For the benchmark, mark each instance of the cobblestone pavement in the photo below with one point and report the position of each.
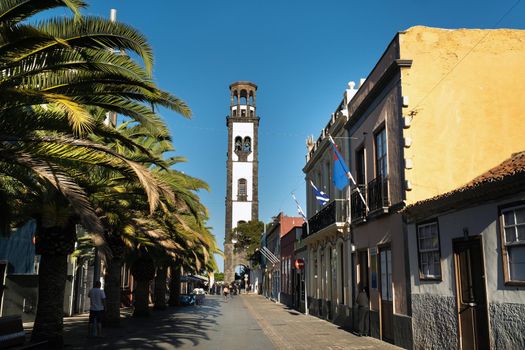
(243, 322)
(289, 329)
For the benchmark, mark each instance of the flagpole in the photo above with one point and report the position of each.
(349, 176)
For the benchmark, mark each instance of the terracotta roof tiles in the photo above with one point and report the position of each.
(505, 175)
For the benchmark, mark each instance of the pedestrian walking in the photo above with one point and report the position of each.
(226, 291)
(363, 311)
(97, 299)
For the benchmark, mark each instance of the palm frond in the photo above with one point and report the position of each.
(13, 11)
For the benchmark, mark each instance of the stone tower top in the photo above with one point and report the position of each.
(242, 93)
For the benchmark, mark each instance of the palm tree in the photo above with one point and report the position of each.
(53, 72)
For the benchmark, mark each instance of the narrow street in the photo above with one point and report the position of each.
(244, 322)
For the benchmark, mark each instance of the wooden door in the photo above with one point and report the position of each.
(387, 307)
(471, 295)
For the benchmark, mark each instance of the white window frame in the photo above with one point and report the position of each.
(508, 245)
(429, 253)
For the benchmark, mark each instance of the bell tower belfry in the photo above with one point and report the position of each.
(242, 167)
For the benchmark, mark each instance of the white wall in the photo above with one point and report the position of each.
(242, 170)
(481, 220)
(241, 211)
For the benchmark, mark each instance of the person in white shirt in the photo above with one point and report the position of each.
(96, 311)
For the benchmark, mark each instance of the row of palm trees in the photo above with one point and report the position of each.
(63, 163)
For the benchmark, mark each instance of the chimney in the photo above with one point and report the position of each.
(349, 93)
(113, 15)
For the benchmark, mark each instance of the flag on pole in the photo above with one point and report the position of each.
(299, 209)
(340, 175)
(321, 197)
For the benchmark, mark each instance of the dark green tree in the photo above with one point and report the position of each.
(248, 237)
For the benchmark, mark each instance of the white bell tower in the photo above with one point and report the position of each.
(242, 180)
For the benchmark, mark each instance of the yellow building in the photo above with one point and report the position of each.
(439, 108)
(465, 104)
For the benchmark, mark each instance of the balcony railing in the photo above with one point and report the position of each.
(356, 203)
(378, 193)
(333, 212)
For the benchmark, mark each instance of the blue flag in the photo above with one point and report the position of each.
(321, 197)
(340, 177)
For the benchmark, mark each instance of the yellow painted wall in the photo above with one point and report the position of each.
(466, 89)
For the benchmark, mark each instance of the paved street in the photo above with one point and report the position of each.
(244, 322)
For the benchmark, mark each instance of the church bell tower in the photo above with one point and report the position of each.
(242, 196)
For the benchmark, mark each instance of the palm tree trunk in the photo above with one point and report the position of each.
(160, 288)
(141, 299)
(174, 285)
(112, 289)
(50, 310)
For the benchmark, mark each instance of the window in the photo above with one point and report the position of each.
(428, 250)
(238, 143)
(381, 160)
(242, 190)
(247, 145)
(514, 242)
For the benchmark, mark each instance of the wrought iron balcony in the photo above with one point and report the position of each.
(378, 194)
(333, 212)
(356, 203)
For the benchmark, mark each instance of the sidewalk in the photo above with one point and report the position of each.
(242, 322)
(289, 329)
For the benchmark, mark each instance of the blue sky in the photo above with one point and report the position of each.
(301, 54)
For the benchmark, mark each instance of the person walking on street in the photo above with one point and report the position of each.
(226, 291)
(363, 311)
(97, 299)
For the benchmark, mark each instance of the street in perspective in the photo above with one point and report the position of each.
(242, 322)
(262, 175)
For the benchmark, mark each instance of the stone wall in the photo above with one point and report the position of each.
(434, 322)
(507, 326)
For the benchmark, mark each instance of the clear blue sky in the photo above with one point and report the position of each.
(301, 54)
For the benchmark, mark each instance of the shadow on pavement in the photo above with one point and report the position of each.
(175, 326)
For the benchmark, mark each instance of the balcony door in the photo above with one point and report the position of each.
(360, 166)
(381, 169)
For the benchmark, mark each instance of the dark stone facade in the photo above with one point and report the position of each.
(507, 325)
(434, 322)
